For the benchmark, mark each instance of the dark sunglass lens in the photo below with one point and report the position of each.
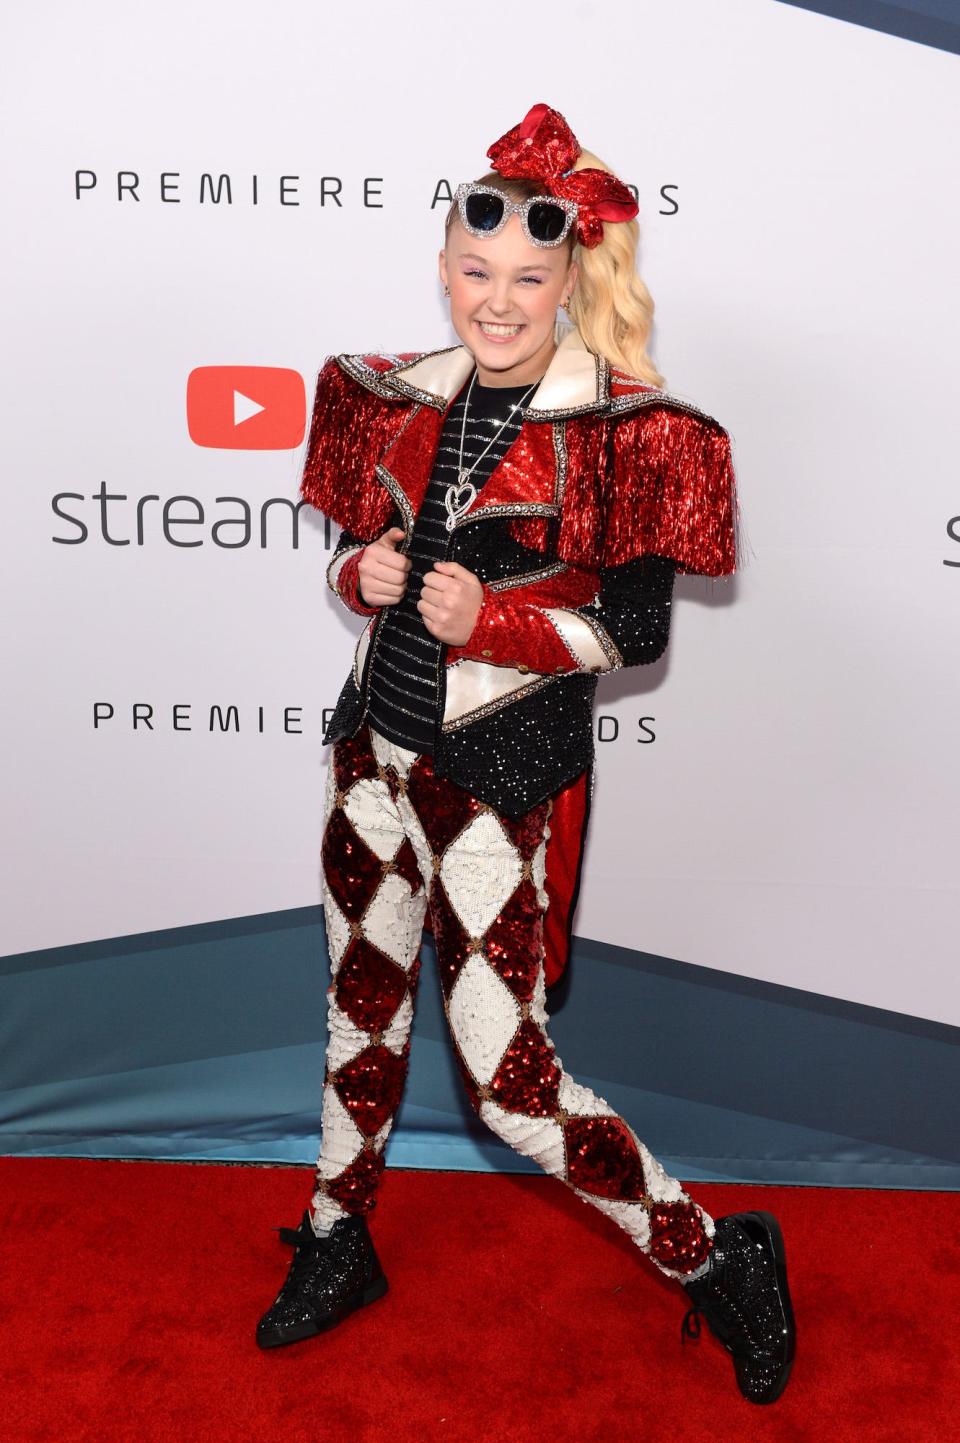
(546, 220)
(484, 212)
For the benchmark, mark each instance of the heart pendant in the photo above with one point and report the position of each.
(454, 502)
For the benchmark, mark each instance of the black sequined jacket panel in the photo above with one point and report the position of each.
(515, 704)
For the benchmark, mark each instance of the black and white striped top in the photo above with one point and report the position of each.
(405, 665)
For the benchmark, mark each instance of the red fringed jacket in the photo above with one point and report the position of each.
(610, 487)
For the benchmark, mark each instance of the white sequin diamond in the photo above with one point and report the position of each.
(484, 1015)
(342, 1139)
(418, 838)
(370, 819)
(393, 921)
(398, 1028)
(329, 790)
(660, 1185)
(480, 872)
(538, 871)
(338, 929)
(536, 1137)
(344, 1038)
(631, 1216)
(380, 1139)
(583, 1101)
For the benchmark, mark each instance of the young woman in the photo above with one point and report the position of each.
(513, 511)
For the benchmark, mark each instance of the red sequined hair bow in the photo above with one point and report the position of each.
(543, 147)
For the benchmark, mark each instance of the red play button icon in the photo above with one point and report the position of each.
(246, 408)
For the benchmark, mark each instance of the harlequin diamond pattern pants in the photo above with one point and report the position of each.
(396, 841)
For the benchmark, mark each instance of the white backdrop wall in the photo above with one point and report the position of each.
(793, 757)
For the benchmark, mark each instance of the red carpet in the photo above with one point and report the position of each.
(516, 1314)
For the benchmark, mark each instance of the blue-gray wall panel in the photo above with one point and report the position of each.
(207, 1042)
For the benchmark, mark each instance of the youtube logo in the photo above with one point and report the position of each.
(246, 408)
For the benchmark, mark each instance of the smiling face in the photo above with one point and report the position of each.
(504, 294)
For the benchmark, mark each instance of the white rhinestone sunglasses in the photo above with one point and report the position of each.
(484, 211)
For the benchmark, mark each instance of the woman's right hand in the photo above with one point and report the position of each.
(382, 569)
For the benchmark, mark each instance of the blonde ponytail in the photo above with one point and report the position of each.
(611, 306)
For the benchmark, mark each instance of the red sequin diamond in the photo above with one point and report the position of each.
(526, 832)
(514, 941)
(352, 759)
(450, 939)
(677, 1236)
(406, 866)
(354, 1188)
(602, 1157)
(369, 986)
(444, 808)
(528, 1077)
(351, 870)
(370, 1087)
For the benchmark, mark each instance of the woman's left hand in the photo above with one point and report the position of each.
(449, 602)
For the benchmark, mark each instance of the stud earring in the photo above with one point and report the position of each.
(446, 290)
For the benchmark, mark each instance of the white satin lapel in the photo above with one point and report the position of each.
(576, 378)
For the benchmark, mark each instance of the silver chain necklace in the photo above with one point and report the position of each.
(457, 505)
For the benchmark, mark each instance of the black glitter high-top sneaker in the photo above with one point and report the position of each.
(329, 1278)
(746, 1301)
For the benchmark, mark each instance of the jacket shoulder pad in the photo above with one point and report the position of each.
(370, 367)
(628, 394)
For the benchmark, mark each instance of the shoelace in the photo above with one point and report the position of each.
(726, 1320)
(690, 1323)
(307, 1244)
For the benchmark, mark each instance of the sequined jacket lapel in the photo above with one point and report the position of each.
(529, 480)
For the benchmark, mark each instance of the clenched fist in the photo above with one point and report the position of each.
(450, 599)
(382, 569)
